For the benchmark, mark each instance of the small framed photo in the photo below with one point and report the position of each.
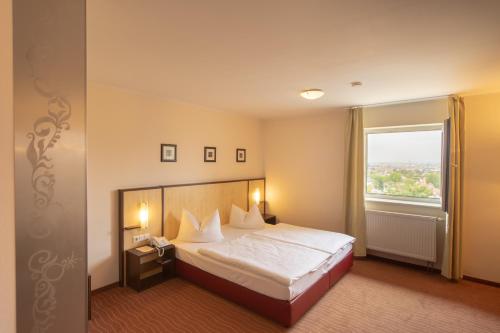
(241, 155)
(210, 154)
(168, 153)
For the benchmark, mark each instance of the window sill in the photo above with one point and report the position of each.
(404, 203)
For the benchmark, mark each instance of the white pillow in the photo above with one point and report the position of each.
(237, 216)
(241, 219)
(191, 230)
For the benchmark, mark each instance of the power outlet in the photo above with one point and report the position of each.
(140, 238)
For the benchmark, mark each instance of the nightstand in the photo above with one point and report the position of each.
(145, 270)
(269, 219)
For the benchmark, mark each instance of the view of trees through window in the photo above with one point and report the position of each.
(404, 164)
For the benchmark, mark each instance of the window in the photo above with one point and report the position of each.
(404, 163)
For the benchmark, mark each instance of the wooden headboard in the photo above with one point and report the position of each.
(166, 202)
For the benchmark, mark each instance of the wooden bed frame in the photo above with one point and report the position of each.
(284, 312)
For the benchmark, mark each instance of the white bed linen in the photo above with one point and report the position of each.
(188, 253)
(282, 262)
(327, 241)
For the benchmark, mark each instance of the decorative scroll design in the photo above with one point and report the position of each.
(46, 132)
(45, 270)
(44, 136)
(43, 264)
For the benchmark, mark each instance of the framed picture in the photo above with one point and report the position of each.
(168, 153)
(210, 154)
(241, 155)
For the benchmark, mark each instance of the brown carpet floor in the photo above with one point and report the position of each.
(374, 296)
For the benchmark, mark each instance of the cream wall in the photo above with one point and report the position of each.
(304, 160)
(304, 163)
(124, 132)
(7, 259)
(481, 229)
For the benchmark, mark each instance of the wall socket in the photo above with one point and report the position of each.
(140, 238)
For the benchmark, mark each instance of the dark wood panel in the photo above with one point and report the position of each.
(147, 269)
(189, 184)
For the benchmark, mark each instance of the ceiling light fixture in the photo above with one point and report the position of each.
(356, 83)
(312, 93)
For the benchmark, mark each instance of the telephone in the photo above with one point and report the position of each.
(159, 243)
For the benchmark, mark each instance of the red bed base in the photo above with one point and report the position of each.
(284, 312)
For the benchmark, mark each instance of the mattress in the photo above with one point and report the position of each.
(188, 253)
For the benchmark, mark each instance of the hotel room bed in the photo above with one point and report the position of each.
(281, 286)
(282, 303)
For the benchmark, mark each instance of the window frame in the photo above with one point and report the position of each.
(393, 198)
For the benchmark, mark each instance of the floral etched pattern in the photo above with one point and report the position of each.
(44, 136)
(46, 132)
(45, 270)
(43, 264)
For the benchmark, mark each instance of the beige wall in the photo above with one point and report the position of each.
(7, 259)
(304, 163)
(481, 230)
(124, 133)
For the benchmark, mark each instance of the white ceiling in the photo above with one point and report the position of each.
(255, 56)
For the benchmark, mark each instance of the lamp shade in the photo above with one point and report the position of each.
(144, 215)
(256, 196)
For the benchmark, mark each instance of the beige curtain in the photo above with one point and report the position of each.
(354, 181)
(452, 257)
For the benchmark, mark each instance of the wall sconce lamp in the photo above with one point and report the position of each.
(256, 196)
(144, 215)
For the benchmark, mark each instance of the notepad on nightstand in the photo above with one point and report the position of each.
(145, 249)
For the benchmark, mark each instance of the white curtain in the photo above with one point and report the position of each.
(354, 181)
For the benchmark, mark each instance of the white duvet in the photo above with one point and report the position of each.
(284, 262)
(326, 241)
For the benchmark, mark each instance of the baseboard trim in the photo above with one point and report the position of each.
(482, 281)
(401, 263)
(430, 269)
(104, 288)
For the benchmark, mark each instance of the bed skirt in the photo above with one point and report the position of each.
(284, 312)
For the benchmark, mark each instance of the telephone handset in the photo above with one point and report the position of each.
(159, 243)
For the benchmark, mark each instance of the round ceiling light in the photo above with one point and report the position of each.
(312, 93)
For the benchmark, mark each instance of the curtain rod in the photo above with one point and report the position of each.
(415, 100)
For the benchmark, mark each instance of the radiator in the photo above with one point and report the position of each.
(412, 236)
